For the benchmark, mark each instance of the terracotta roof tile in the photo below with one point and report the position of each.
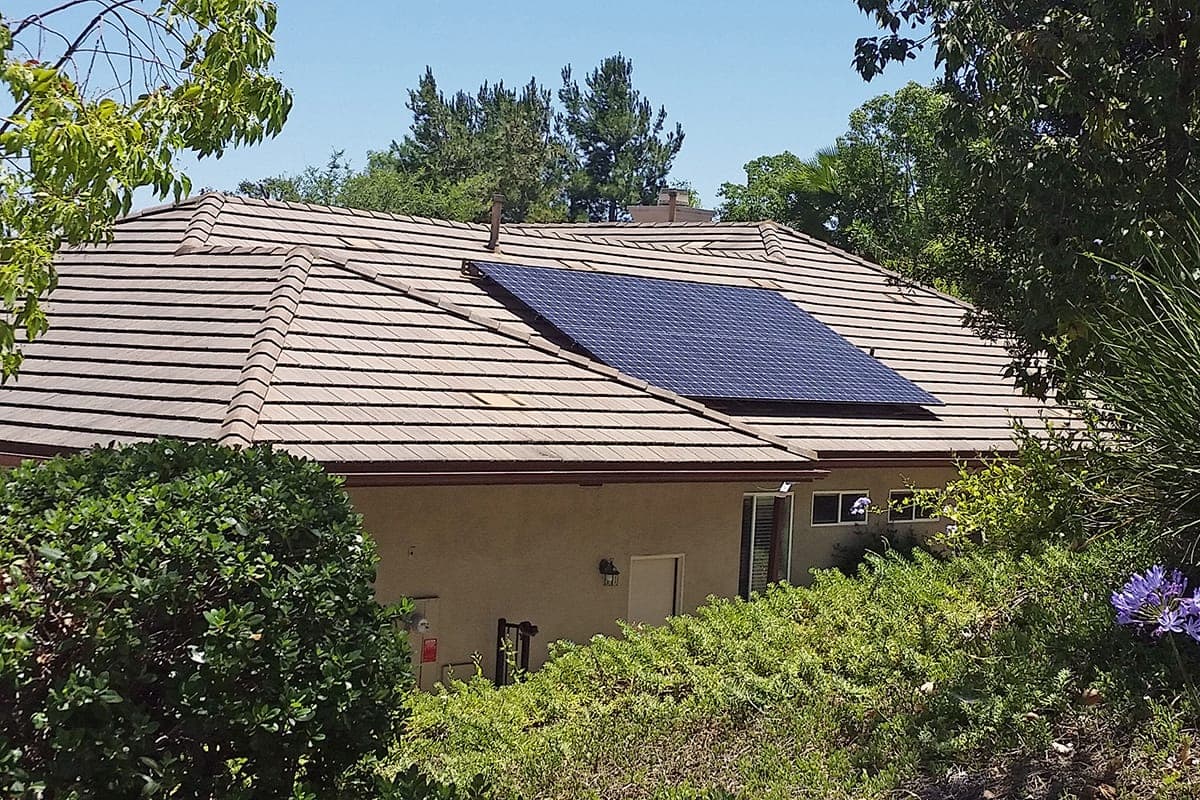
(916, 331)
(368, 344)
(290, 346)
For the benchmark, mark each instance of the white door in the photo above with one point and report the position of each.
(654, 583)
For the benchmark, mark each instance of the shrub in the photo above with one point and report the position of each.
(1023, 504)
(1148, 395)
(854, 687)
(851, 554)
(188, 620)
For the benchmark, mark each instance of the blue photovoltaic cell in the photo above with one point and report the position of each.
(705, 340)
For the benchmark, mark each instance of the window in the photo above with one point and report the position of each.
(837, 508)
(901, 508)
(759, 525)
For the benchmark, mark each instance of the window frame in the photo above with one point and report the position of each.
(786, 545)
(913, 506)
(838, 493)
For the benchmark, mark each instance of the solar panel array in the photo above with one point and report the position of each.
(704, 340)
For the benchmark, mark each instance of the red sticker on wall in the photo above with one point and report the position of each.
(428, 650)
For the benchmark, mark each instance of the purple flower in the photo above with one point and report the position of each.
(1191, 627)
(1170, 620)
(1131, 599)
(1146, 597)
(1190, 608)
(1191, 605)
(1173, 587)
(860, 506)
(1155, 600)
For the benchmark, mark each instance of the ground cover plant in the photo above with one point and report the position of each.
(854, 687)
(188, 620)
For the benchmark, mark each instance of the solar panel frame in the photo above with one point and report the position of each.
(703, 340)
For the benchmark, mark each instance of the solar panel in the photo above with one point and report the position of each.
(704, 340)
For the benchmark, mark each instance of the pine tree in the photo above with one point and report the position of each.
(497, 140)
(622, 156)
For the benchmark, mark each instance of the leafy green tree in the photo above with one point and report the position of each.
(896, 197)
(189, 76)
(384, 186)
(802, 193)
(882, 190)
(1074, 127)
(606, 151)
(189, 620)
(320, 185)
(381, 186)
(460, 150)
(623, 158)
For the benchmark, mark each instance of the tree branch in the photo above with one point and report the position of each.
(36, 19)
(70, 51)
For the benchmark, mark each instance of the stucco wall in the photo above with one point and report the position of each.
(817, 546)
(531, 552)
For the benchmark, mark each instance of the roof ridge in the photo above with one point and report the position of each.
(159, 208)
(528, 338)
(202, 223)
(691, 223)
(356, 212)
(771, 244)
(659, 247)
(250, 392)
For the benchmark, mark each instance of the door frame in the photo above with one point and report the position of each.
(785, 547)
(677, 600)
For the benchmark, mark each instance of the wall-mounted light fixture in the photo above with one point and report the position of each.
(415, 622)
(610, 572)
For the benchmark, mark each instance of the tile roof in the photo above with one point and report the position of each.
(353, 337)
(759, 240)
(914, 330)
(331, 359)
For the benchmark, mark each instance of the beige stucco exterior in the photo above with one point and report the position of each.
(816, 546)
(531, 552)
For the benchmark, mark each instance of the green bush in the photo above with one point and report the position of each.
(1022, 504)
(851, 554)
(188, 620)
(855, 687)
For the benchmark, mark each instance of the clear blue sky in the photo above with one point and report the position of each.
(744, 79)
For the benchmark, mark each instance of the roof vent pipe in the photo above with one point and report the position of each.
(497, 209)
(672, 203)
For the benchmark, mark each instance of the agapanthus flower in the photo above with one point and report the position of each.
(1191, 626)
(1174, 586)
(860, 506)
(1191, 605)
(1155, 600)
(1170, 620)
(1140, 600)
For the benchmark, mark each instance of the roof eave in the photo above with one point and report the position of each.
(581, 473)
(461, 473)
(857, 459)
